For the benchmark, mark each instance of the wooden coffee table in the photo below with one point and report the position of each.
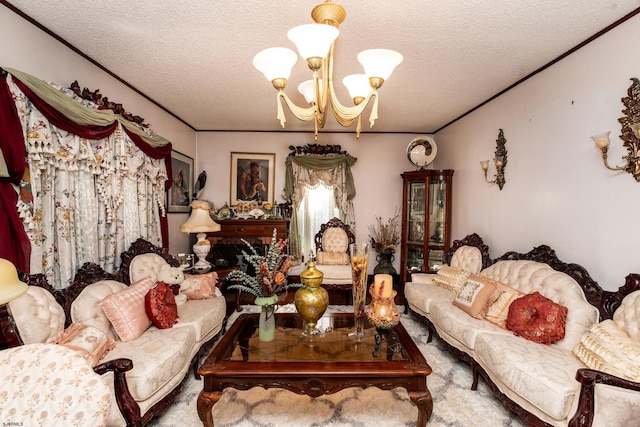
(323, 364)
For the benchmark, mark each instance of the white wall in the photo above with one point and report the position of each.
(381, 160)
(28, 49)
(558, 192)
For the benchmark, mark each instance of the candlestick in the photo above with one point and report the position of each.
(382, 285)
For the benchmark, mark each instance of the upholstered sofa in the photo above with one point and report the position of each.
(545, 384)
(143, 372)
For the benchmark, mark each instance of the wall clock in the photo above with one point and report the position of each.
(422, 151)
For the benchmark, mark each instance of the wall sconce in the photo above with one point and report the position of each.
(632, 160)
(500, 161)
(630, 133)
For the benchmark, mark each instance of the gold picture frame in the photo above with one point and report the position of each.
(252, 177)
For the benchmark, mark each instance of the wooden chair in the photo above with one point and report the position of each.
(332, 256)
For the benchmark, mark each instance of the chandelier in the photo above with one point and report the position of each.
(315, 43)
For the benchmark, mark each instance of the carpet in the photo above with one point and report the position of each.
(454, 404)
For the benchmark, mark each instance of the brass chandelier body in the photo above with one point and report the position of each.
(332, 14)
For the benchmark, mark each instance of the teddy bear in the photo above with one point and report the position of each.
(174, 276)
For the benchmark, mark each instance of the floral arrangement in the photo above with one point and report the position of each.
(385, 236)
(271, 270)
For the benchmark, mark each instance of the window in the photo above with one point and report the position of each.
(316, 207)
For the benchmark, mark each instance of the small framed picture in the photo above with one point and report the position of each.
(179, 195)
(252, 177)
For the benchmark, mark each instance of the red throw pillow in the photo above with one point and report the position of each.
(160, 305)
(537, 318)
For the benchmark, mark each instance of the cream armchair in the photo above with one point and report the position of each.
(332, 255)
(52, 385)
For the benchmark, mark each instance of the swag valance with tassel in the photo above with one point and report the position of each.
(98, 181)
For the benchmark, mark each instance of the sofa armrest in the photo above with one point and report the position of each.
(127, 404)
(589, 378)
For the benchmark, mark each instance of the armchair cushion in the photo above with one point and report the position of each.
(91, 342)
(607, 348)
(332, 258)
(46, 384)
(126, 312)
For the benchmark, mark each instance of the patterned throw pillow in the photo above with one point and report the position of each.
(91, 342)
(499, 310)
(125, 310)
(161, 307)
(607, 348)
(475, 296)
(203, 286)
(451, 278)
(537, 318)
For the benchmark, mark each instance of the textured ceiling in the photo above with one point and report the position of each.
(194, 58)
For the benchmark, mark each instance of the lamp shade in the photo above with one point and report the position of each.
(199, 221)
(357, 85)
(379, 62)
(275, 62)
(313, 40)
(307, 90)
(10, 286)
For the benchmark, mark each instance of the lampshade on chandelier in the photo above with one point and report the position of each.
(315, 43)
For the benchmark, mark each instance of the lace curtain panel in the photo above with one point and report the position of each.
(305, 171)
(91, 197)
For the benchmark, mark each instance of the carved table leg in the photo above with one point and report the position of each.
(424, 402)
(206, 400)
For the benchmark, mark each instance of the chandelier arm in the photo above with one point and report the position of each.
(346, 115)
(304, 114)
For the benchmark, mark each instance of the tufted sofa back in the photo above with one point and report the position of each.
(145, 265)
(467, 258)
(38, 317)
(532, 276)
(86, 308)
(627, 315)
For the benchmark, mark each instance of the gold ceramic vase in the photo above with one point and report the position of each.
(311, 299)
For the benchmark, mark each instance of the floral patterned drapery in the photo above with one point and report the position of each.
(91, 197)
(305, 171)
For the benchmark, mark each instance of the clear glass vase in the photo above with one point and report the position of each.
(359, 264)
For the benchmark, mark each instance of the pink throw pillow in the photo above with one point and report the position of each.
(125, 310)
(203, 286)
(91, 342)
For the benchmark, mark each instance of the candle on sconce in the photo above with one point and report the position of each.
(383, 286)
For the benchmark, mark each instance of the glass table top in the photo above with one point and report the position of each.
(333, 344)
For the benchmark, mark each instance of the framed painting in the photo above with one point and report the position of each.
(179, 195)
(252, 177)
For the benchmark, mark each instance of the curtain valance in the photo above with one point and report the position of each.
(320, 163)
(67, 114)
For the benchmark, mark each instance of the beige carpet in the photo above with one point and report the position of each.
(454, 403)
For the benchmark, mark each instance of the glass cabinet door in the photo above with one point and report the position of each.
(426, 220)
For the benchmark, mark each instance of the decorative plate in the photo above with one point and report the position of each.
(422, 150)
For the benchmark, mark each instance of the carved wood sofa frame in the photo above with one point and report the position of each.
(351, 238)
(605, 301)
(91, 273)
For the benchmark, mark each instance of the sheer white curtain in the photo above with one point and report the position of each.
(317, 206)
(91, 198)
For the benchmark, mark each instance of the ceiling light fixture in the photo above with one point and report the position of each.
(315, 43)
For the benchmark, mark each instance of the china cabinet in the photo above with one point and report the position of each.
(426, 220)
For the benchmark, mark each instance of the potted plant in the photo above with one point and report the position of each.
(385, 237)
(269, 280)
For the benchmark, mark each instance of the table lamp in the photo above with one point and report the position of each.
(10, 288)
(200, 222)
